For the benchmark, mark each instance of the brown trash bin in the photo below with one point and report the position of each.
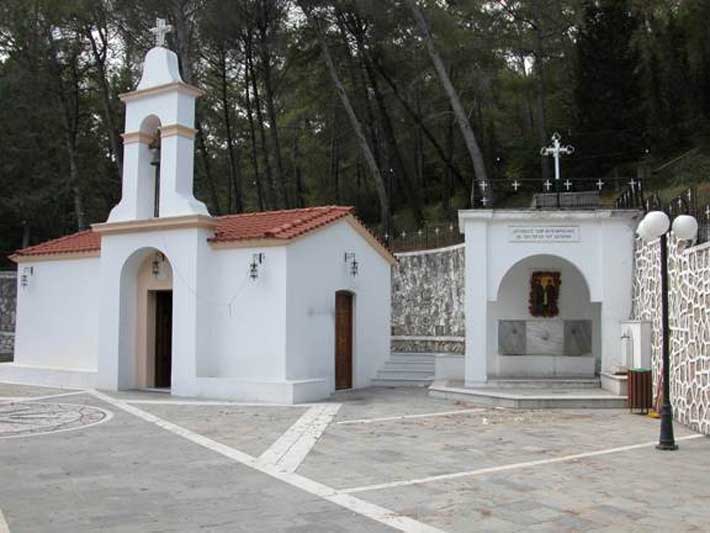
(640, 390)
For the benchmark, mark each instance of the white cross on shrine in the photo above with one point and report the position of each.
(555, 151)
(568, 185)
(483, 185)
(600, 184)
(632, 184)
(515, 185)
(160, 31)
(547, 185)
(484, 201)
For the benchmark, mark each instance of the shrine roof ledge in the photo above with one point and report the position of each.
(553, 215)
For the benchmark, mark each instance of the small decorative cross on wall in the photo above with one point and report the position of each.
(160, 30)
(516, 185)
(600, 184)
(483, 184)
(568, 185)
(547, 185)
(707, 212)
(632, 184)
(484, 201)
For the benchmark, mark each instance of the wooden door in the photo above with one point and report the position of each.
(163, 337)
(343, 340)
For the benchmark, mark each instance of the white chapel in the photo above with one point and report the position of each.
(282, 306)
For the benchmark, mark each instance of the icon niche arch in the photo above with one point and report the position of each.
(559, 335)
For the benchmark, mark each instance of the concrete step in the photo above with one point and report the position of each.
(401, 382)
(406, 365)
(529, 398)
(412, 357)
(405, 374)
(545, 383)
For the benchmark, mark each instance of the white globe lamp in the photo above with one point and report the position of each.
(657, 224)
(685, 227)
(642, 230)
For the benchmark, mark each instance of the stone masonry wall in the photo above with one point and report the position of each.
(689, 317)
(8, 297)
(428, 301)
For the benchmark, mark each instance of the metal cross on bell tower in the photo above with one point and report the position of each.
(160, 30)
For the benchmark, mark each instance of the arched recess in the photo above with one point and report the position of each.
(512, 305)
(145, 323)
(150, 166)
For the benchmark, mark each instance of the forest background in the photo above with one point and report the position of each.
(398, 107)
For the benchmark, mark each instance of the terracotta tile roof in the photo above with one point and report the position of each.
(84, 241)
(277, 225)
(282, 225)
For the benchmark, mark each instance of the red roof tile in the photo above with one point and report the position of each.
(271, 225)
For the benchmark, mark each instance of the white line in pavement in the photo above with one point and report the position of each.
(208, 403)
(406, 417)
(503, 468)
(48, 397)
(356, 505)
(291, 448)
(4, 528)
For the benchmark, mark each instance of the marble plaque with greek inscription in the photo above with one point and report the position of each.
(511, 337)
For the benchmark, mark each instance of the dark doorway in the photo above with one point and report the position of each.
(163, 337)
(343, 340)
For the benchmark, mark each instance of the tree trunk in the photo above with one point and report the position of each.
(540, 102)
(469, 136)
(282, 196)
(252, 137)
(419, 122)
(354, 122)
(232, 152)
(298, 175)
(272, 197)
(205, 156)
(105, 90)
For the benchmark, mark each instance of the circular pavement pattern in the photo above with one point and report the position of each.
(27, 418)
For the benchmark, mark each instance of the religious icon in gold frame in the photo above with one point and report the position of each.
(544, 294)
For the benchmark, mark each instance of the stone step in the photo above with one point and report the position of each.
(405, 365)
(528, 398)
(401, 382)
(405, 374)
(421, 357)
(545, 383)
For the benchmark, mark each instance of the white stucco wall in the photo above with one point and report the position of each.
(246, 333)
(602, 252)
(57, 315)
(316, 270)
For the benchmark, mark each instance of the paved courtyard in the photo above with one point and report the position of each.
(372, 460)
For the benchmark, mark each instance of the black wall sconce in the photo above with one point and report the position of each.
(354, 266)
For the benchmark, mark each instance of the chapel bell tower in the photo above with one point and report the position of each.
(158, 143)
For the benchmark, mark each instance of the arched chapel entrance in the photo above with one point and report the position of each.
(146, 321)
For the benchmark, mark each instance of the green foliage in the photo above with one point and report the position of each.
(623, 80)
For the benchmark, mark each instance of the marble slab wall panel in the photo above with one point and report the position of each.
(578, 337)
(689, 317)
(512, 337)
(545, 337)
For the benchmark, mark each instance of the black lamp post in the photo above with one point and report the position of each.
(656, 225)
